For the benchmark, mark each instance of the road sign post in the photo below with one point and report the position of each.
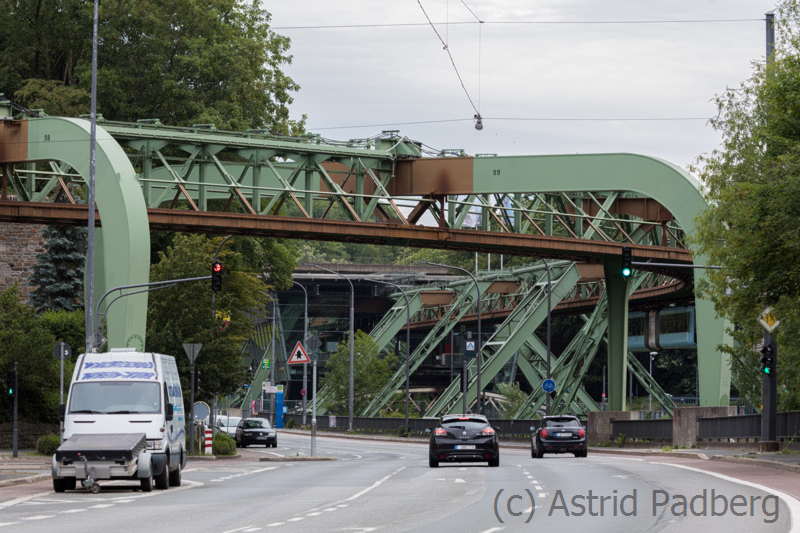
(314, 408)
(62, 351)
(191, 351)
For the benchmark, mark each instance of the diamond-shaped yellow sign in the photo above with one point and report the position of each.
(768, 320)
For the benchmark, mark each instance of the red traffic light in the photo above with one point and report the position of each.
(216, 267)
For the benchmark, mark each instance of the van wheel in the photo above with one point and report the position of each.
(147, 483)
(162, 480)
(59, 485)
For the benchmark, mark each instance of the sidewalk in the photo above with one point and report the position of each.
(27, 467)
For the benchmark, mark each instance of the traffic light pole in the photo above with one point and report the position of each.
(769, 397)
(16, 395)
(191, 409)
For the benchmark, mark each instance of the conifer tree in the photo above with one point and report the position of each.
(58, 274)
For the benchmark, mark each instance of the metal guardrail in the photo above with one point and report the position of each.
(642, 429)
(415, 425)
(747, 426)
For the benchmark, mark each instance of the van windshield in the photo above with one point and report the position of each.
(115, 397)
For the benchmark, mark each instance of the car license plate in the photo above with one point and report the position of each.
(465, 447)
(262, 438)
(563, 434)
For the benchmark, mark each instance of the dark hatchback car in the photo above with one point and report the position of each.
(463, 438)
(558, 434)
(255, 431)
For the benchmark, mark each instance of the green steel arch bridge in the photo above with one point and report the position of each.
(581, 209)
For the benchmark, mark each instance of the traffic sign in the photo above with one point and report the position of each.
(192, 350)
(298, 356)
(768, 320)
(303, 392)
(548, 385)
(62, 350)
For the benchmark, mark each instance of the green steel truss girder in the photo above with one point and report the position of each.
(509, 337)
(258, 347)
(567, 196)
(465, 300)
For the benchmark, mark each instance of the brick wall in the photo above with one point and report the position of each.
(19, 246)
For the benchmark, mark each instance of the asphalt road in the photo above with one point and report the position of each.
(387, 486)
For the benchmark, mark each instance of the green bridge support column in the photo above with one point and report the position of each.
(123, 245)
(617, 294)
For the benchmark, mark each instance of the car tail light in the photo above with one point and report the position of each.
(464, 418)
(581, 433)
(543, 434)
(487, 455)
(441, 456)
(440, 433)
(487, 431)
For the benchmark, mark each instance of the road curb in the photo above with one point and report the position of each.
(22, 480)
(301, 459)
(212, 457)
(765, 463)
(643, 453)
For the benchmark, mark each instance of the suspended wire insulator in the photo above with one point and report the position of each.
(478, 122)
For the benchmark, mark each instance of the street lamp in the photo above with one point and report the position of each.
(350, 395)
(478, 347)
(305, 338)
(408, 338)
(650, 401)
(549, 286)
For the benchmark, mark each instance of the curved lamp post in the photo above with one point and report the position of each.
(408, 337)
(350, 396)
(479, 394)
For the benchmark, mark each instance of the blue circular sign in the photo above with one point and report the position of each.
(548, 385)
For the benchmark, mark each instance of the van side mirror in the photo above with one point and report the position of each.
(170, 412)
(62, 411)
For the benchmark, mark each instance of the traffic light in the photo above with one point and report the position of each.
(627, 267)
(11, 382)
(196, 379)
(216, 277)
(767, 360)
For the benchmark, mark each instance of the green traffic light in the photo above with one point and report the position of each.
(626, 272)
(766, 370)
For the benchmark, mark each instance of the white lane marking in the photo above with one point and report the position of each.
(8, 524)
(40, 517)
(313, 514)
(296, 519)
(275, 524)
(542, 494)
(73, 511)
(534, 482)
(252, 529)
(493, 530)
(102, 506)
(539, 488)
(331, 509)
(460, 481)
(23, 499)
(374, 485)
(122, 501)
(791, 502)
(462, 468)
(530, 477)
(343, 505)
(237, 529)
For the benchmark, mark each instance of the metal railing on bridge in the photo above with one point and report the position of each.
(747, 427)
(415, 425)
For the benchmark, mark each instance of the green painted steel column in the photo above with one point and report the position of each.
(124, 243)
(617, 295)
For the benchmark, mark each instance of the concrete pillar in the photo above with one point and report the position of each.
(617, 294)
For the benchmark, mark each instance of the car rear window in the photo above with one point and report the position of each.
(470, 423)
(562, 423)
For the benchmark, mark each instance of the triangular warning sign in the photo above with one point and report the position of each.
(299, 355)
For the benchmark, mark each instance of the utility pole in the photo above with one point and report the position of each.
(16, 402)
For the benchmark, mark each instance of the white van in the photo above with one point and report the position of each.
(124, 419)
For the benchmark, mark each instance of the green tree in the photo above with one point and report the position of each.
(67, 326)
(58, 274)
(183, 314)
(753, 185)
(24, 340)
(370, 374)
(514, 398)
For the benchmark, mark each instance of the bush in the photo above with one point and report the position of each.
(48, 444)
(290, 423)
(223, 445)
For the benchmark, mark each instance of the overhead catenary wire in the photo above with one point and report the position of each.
(447, 49)
(518, 22)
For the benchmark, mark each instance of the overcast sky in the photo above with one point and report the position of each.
(385, 75)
